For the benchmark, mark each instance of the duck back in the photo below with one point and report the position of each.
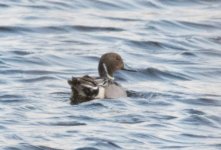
(114, 90)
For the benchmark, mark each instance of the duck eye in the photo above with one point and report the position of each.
(117, 58)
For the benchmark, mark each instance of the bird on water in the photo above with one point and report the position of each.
(87, 88)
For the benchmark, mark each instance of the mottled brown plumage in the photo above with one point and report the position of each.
(81, 93)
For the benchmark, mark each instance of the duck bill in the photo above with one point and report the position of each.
(128, 69)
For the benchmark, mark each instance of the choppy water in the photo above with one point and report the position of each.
(175, 95)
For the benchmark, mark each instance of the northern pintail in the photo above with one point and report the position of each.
(87, 88)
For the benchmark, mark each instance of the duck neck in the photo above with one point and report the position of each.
(105, 72)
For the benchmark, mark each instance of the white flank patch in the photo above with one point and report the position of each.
(101, 93)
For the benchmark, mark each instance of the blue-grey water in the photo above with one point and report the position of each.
(175, 95)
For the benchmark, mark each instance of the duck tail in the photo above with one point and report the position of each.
(73, 81)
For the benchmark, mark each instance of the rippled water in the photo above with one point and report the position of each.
(175, 95)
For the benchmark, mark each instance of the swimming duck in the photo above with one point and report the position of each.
(87, 88)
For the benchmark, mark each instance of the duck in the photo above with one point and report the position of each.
(88, 88)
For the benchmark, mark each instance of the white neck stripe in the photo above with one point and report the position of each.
(108, 76)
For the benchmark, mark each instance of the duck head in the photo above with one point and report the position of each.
(109, 63)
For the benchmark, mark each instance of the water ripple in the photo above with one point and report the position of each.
(57, 29)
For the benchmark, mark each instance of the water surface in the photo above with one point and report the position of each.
(175, 99)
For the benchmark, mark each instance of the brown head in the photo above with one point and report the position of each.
(110, 62)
